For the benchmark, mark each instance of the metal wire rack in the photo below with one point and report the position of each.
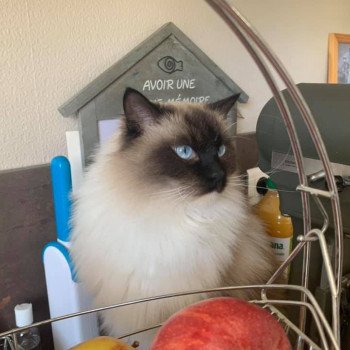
(328, 334)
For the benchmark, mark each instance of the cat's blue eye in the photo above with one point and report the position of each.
(184, 151)
(222, 150)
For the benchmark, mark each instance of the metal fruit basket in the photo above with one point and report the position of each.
(328, 334)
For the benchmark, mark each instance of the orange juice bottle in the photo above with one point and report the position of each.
(278, 226)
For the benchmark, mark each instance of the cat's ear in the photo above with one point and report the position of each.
(223, 106)
(139, 112)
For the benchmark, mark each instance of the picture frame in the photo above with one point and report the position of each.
(339, 58)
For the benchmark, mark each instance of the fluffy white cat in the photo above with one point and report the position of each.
(161, 210)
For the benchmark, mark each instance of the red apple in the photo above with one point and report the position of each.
(221, 324)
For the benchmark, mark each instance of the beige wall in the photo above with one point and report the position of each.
(51, 49)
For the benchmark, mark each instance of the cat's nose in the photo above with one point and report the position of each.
(217, 179)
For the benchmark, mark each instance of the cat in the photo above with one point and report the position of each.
(162, 210)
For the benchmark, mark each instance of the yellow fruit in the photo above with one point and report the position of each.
(103, 343)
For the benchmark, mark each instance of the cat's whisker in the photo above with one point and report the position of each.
(161, 193)
(165, 196)
(172, 194)
(279, 190)
(229, 126)
(236, 179)
(176, 188)
(177, 200)
(269, 173)
(182, 197)
(173, 190)
(183, 194)
(240, 184)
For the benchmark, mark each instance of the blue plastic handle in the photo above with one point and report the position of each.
(61, 188)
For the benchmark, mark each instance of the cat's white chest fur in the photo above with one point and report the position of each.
(167, 244)
(128, 248)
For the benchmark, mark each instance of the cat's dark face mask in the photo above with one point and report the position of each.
(197, 154)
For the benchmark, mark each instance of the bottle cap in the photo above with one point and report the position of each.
(24, 315)
(270, 184)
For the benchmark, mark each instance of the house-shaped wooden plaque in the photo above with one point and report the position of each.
(167, 66)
